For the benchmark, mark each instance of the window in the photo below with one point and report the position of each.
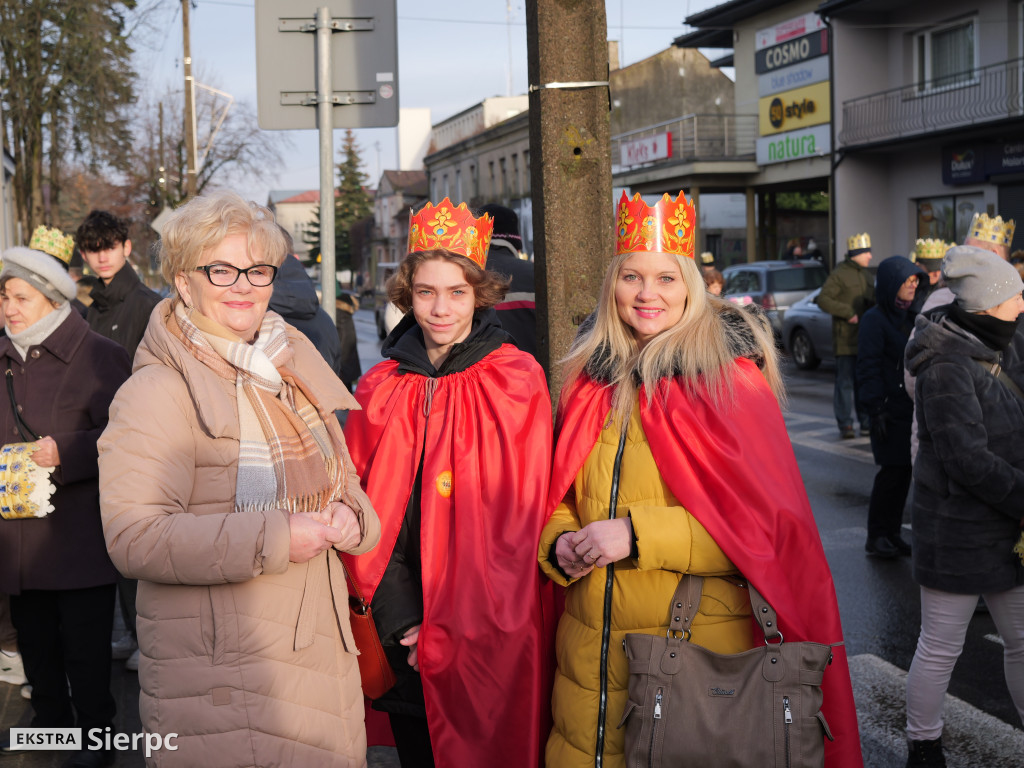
(515, 175)
(447, 193)
(494, 186)
(946, 56)
(458, 184)
(948, 218)
(504, 180)
(474, 183)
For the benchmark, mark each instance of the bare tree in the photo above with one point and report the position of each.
(232, 149)
(66, 82)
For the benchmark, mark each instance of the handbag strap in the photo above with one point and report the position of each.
(364, 606)
(686, 601)
(27, 433)
(997, 370)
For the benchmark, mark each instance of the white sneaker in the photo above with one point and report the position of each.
(133, 662)
(11, 669)
(26, 692)
(123, 648)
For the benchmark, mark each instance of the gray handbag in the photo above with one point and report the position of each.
(690, 706)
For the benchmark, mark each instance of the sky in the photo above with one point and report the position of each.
(451, 55)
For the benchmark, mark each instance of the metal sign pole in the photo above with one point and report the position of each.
(325, 124)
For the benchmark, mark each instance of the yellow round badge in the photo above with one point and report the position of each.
(444, 484)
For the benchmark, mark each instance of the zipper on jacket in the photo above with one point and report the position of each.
(654, 727)
(606, 627)
(788, 717)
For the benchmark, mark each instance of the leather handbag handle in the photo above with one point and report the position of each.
(686, 601)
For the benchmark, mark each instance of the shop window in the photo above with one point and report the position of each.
(947, 218)
(946, 56)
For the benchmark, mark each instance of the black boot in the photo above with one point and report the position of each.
(926, 754)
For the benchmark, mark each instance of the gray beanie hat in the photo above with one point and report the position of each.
(42, 271)
(979, 279)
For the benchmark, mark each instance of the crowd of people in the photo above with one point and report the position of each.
(936, 353)
(203, 457)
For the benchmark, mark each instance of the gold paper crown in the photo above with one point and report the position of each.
(930, 249)
(53, 242)
(859, 241)
(25, 487)
(452, 229)
(666, 227)
(707, 258)
(992, 230)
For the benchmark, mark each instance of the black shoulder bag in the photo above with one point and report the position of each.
(27, 433)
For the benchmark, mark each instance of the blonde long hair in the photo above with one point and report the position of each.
(699, 349)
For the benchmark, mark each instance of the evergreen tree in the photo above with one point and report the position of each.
(353, 203)
(312, 239)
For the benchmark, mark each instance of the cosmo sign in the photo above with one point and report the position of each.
(647, 149)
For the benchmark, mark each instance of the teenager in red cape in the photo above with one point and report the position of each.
(733, 468)
(462, 444)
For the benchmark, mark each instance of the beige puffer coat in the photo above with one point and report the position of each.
(247, 657)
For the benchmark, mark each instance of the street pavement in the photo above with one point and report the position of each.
(878, 601)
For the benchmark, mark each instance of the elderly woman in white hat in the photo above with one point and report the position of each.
(60, 380)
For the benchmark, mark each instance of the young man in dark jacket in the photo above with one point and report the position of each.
(121, 303)
(120, 310)
(900, 288)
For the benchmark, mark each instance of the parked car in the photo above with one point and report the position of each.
(773, 285)
(807, 333)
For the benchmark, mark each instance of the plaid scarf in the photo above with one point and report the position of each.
(288, 454)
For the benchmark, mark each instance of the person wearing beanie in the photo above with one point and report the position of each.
(61, 379)
(968, 483)
(518, 310)
(847, 294)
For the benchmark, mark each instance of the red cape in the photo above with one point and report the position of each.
(733, 468)
(485, 647)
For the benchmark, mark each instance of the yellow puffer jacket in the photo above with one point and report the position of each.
(670, 542)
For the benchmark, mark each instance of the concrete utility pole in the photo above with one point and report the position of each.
(570, 167)
(190, 107)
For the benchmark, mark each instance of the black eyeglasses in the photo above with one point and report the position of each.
(223, 275)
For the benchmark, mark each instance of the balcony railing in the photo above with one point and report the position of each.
(694, 137)
(983, 95)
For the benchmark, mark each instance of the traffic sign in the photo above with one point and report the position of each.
(363, 63)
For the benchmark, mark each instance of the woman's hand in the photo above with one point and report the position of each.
(309, 536)
(568, 561)
(603, 541)
(46, 454)
(344, 519)
(410, 639)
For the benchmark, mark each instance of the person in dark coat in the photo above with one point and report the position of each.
(56, 567)
(968, 483)
(518, 310)
(121, 303)
(884, 331)
(351, 369)
(295, 300)
(119, 308)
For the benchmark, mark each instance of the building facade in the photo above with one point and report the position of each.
(929, 118)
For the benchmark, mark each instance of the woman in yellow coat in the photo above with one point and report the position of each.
(671, 397)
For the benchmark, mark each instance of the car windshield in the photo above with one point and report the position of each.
(796, 279)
